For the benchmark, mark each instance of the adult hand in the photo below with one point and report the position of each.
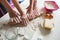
(14, 17)
(30, 13)
(25, 19)
(36, 12)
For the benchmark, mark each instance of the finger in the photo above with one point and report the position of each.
(15, 20)
(18, 21)
(30, 16)
(33, 16)
(11, 19)
(22, 21)
(19, 18)
(16, 13)
(25, 22)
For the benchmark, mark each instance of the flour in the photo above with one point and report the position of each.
(49, 5)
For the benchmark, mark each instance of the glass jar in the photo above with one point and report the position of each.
(48, 20)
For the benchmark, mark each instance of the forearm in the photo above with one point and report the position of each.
(30, 2)
(16, 4)
(34, 4)
(6, 4)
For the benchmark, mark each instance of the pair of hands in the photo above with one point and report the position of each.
(32, 13)
(16, 18)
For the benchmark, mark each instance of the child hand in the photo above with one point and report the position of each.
(30, 13)
(28, 9)
(25, 19)
(36, 12)
(14, 17)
